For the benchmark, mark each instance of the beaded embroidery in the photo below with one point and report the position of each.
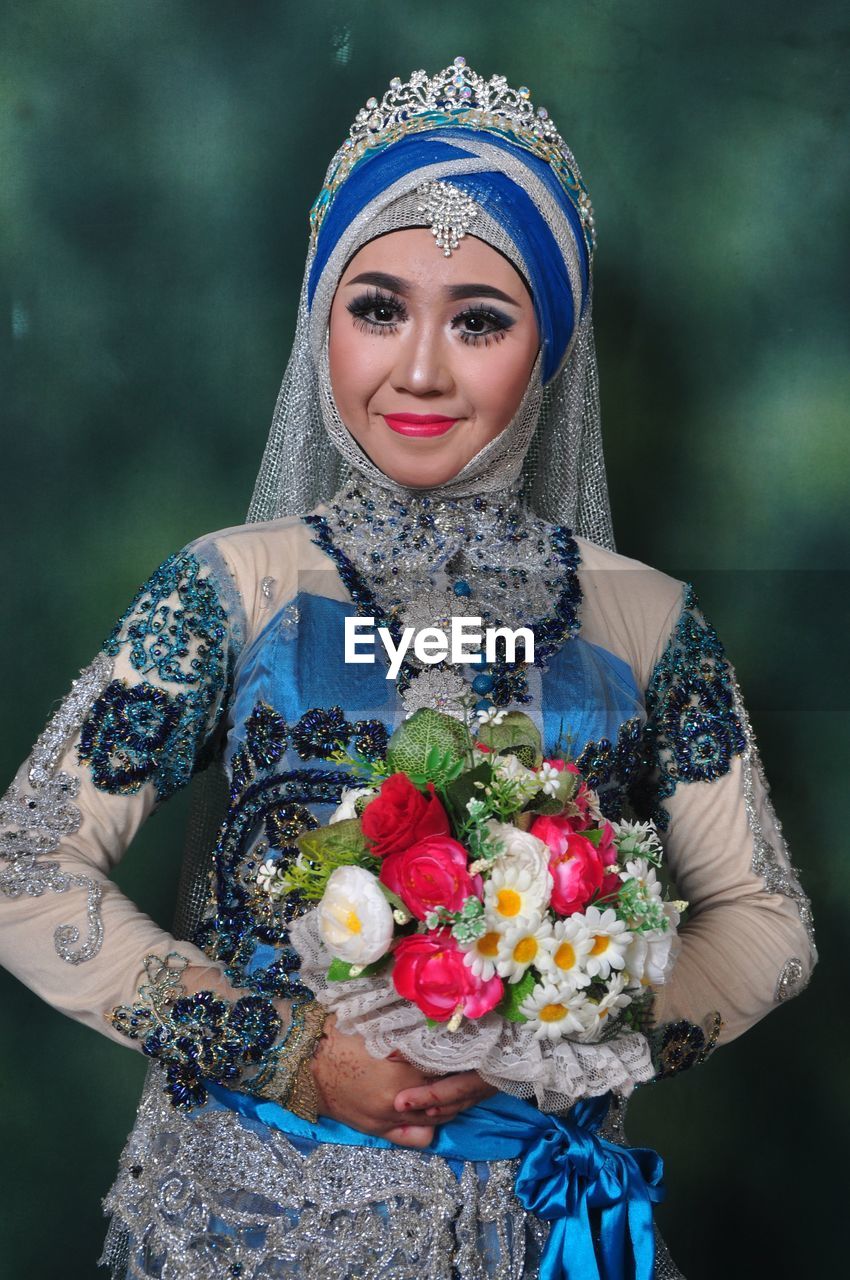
(677, 1046)
(693, 729)
(199, 1036)
(511, 564)
(176, 628)
(39, 819)
(610, 767)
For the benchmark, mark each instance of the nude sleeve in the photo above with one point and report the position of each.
(748, 943)
(135, 726)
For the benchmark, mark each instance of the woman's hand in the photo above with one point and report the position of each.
(443, 1098)
(362, 1091)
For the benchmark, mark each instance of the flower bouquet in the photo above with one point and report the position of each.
(474, 909)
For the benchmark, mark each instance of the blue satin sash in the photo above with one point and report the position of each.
(597, 1195)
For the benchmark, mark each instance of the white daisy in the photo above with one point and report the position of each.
(610, 939)
(520, 946)
(610, 1004)
(564, 952)
(520, 884)
(481, 955)
(554, 1012)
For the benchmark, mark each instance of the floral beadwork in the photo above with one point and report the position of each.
(320, 732)
(268, 810)
(196, 1037)
(609, 767)
(176, 630)
(677, 1046)
(693, 730)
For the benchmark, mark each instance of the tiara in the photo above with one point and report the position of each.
(456, 96)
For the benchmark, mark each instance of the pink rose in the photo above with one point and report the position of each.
(429, 971)
(431, 873)
(575, 865)
(611, 882)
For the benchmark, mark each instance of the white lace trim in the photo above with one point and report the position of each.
(505, 1054)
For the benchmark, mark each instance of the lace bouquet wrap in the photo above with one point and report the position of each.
(474, 910)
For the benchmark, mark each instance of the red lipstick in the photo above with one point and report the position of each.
(419, 424)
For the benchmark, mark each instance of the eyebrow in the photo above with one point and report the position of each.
(454, 292)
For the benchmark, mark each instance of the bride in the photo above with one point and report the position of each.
(435, 446)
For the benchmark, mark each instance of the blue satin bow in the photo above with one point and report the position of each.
(597, 1195)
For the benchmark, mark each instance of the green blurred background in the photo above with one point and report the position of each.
(158, 161)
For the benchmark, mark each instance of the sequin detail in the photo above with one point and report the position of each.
(203, 1197)
(792, 980)
(176, 630)
(400, 556)
(677, 1046)
(693, 730)
(196, 1037)
(772, 859)
(609, 768)
(35, 822)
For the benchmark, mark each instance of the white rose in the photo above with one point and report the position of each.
(523, 863)
(345, 809)
(355, 919)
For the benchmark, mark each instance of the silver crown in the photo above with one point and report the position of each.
(456, 96)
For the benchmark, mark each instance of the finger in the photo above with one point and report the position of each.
(463, 1088)
(411, 1135)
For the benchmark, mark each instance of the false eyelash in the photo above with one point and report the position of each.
(360, 307)
(502, 322)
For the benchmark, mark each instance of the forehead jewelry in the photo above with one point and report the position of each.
(448, 211)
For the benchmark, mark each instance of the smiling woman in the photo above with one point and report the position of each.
(463, 340)
(435, 448)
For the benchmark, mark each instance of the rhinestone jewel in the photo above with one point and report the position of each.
(448, 211)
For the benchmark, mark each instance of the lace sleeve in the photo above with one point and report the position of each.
(748, 942)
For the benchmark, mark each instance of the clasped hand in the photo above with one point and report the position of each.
(387, 1096)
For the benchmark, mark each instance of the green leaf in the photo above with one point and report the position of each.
(517, 735)
(594, 835)
(515, 993)
(340, 970)
(463, 788)
(341, 844)
(430, 745)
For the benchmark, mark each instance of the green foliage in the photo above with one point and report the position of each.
(516, 734)
(321, 852)
(429, 747)
(340, 970)
(515, 993)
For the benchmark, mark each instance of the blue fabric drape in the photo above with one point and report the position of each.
(598, 1196)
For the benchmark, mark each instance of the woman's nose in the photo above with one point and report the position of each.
(422, 365)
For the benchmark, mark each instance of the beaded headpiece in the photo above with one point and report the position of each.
(456, 96)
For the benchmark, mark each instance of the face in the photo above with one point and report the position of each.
(429, 355)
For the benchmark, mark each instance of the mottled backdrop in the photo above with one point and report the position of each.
(157, 161)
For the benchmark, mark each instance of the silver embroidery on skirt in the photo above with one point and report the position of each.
(211, 1195)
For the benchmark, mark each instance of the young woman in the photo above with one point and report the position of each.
(435, 441)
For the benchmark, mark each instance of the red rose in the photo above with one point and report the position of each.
(429, 971)
(431, 873)
(575, 866)
(400, 815)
